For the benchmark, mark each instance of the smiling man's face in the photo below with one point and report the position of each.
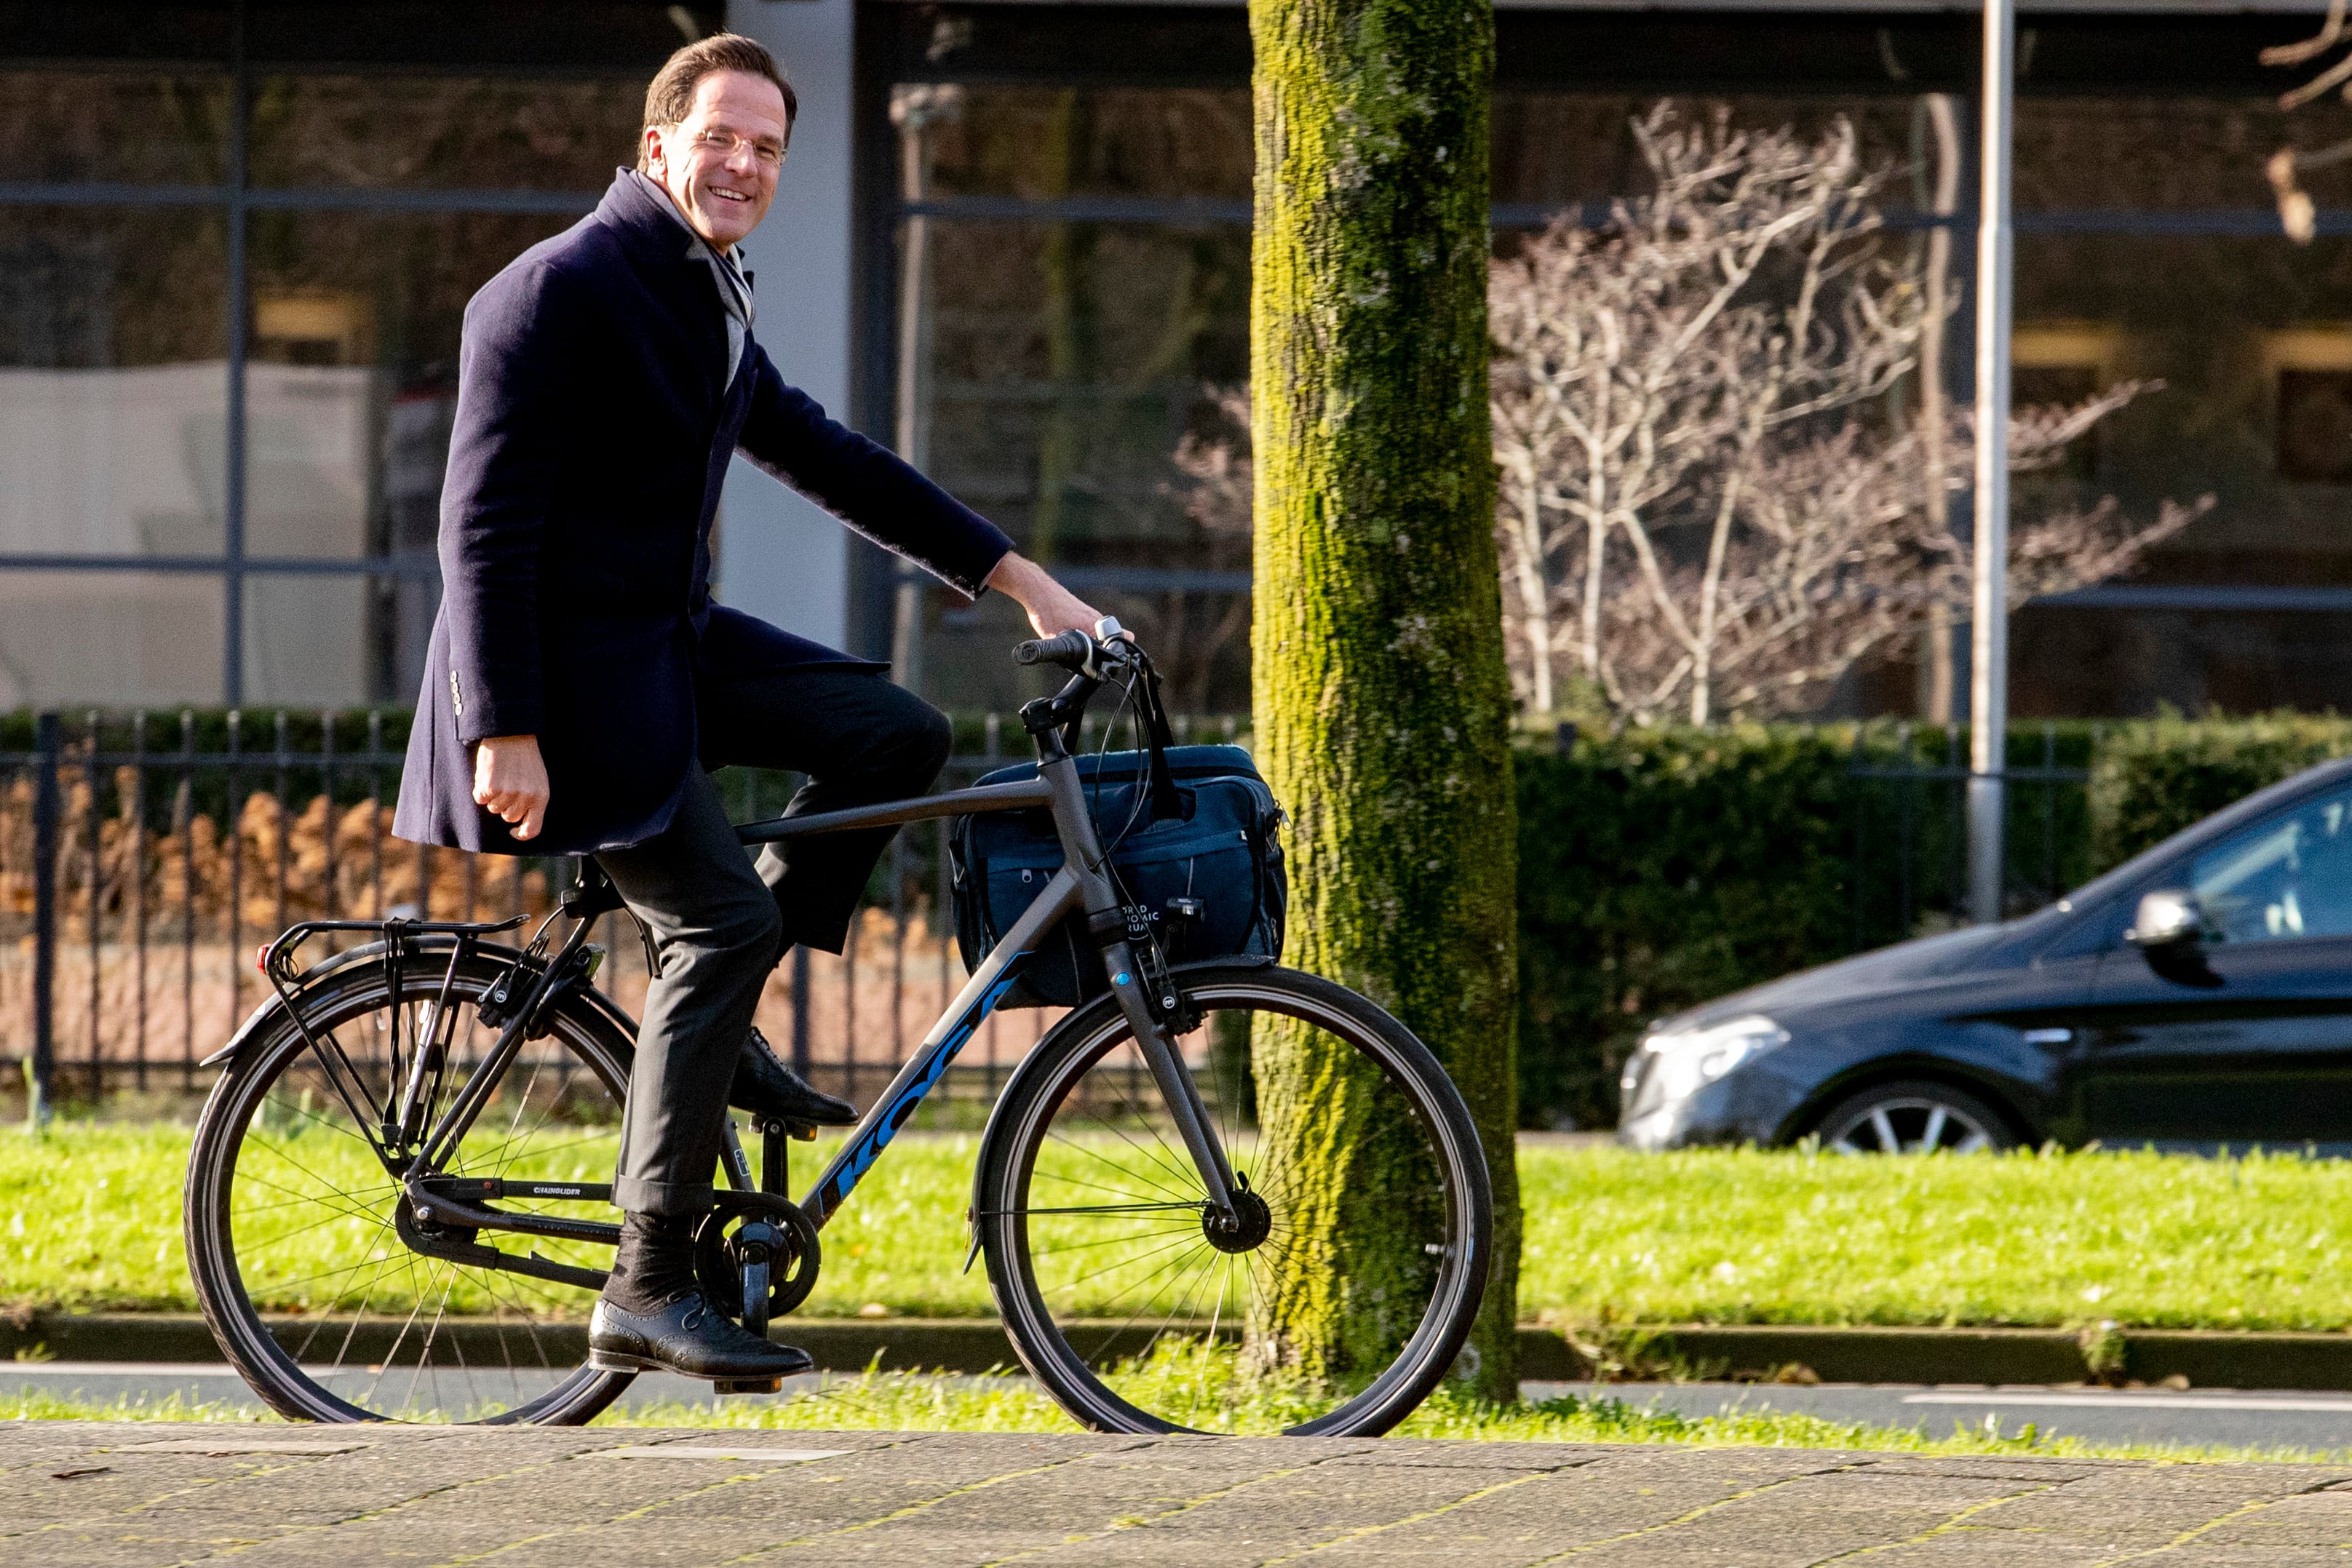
(719, 162)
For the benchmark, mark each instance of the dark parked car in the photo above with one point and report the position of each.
(2200, 995)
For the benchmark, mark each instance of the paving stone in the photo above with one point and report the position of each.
(2255, 1557)
(1964, 1547)
(2000, 1466)
(131, 1495)
(406, 1544)
(2315, 1520)
(1481, 1456)
(1807, 1518)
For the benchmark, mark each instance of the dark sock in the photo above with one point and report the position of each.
(655, 1264)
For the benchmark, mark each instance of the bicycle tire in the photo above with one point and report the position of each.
(1092, 1367)
(585, 1043)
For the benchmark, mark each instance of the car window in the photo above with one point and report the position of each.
(2286, 877)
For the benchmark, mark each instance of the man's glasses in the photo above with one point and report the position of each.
(725, 144)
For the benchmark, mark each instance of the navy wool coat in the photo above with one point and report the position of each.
(593, 434)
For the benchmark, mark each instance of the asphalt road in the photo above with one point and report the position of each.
(2195, 1418)
(2190, 1417)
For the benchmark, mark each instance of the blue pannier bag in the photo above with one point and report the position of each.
(1208, 834)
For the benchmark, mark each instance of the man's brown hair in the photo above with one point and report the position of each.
(671, 96)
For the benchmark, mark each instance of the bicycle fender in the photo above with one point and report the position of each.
(1077, 1018)
(273, 1005)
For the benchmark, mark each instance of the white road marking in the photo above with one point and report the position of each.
(699, 1451)
(225, 1444)
(2129, 1400)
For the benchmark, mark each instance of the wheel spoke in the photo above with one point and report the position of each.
(1075, 1257)
(1883, 1126)
(1943, 1125)
(307, 1221)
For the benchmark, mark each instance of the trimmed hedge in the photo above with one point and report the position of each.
(1659, 868)
(2152, 778)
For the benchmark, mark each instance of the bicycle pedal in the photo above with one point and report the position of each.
(749, 1385)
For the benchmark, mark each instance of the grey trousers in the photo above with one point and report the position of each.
(719, 922)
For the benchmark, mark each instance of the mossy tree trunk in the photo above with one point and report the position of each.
(1382, 706)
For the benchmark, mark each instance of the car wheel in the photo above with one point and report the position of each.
(1913, 1118)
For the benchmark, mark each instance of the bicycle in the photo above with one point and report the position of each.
(393, 1110)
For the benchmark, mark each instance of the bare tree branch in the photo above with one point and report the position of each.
(1721, 482)
(1702, 463)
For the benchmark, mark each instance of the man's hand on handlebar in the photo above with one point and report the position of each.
(1052, 608)
(510, 783)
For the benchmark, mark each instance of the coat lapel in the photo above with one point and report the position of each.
(656, 244)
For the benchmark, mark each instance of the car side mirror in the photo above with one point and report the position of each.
(2170, 933)
(2169, 920)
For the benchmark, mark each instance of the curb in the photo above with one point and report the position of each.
(2207, 1359)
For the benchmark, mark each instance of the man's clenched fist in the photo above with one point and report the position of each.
(511, 782)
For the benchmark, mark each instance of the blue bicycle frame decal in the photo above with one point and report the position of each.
(995, 976)
(897, 1103)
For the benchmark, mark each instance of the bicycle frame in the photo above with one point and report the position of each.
(1081, 886)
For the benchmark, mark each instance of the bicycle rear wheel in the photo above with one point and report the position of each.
(1136, 1313)
(295, 1225)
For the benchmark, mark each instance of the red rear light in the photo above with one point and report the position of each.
(261, 958)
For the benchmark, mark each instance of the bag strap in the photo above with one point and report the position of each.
(1167, 804)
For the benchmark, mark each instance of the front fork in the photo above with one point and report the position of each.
(1153, 1008)
(1131, 953)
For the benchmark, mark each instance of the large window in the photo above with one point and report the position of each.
(1075, 274)
(1069, 192)
(236, 239)
(231, 282)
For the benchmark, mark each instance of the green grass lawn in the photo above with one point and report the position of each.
(90, 1218)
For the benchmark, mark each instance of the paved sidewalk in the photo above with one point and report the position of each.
(130, 1496)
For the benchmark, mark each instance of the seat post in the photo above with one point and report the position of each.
(775, 1171)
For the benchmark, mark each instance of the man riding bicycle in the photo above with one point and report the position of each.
(580, 685)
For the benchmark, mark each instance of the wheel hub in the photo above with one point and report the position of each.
(1244, 1230)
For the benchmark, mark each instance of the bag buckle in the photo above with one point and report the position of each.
(1178, 920)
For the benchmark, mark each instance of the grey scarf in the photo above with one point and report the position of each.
(726, 274)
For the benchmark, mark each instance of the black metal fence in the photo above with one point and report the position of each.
(1909, 810)
(144, 860)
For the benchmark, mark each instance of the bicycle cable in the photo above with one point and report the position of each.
(1133, 707)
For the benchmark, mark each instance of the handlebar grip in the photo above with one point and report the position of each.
(1070, 650)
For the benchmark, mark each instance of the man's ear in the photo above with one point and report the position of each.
(655, 160)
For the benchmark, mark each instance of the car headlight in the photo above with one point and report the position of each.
(1677, 1064)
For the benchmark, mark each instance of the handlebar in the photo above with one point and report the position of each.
(1070, 650)
(1081, 655)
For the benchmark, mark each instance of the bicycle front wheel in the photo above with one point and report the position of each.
(302, 1246)
(1141, 1313)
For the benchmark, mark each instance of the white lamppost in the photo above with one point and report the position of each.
(1989, 641)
